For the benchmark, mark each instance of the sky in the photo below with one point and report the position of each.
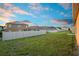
(41, 14)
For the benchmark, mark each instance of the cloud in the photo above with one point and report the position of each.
(66, 6)
(4, 19)
(8, 5)
(62, 13)
(60, 21)
(20, 11)
(15, 9)
(37, 7)
(2, 10)
(65, 14)
(46, 17)
(6, 13)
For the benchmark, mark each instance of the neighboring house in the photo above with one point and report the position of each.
(46, 28)
(24, 26)
(16, 26)
(64, 28)
(20, 26)
(35, 28)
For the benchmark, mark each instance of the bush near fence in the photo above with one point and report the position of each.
(0, 33)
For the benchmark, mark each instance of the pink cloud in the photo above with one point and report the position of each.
(16, 9)
(8, 4)
(8, 15)
(59, 21)
(20, 11)
(13, 9)
(65, 5)
(2, 10)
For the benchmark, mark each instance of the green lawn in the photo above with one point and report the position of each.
(49, 44)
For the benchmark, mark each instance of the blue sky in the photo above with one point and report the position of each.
(42, 14)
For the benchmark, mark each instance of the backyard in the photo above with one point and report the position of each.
(50, 44)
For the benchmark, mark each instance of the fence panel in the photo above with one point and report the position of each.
(20, 34)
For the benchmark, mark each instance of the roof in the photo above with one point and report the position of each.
(19, 22)
(26, 21)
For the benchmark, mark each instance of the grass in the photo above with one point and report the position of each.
(50, 44)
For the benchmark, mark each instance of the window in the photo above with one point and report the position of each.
(9, 25)
(14, 26)
(18, 26)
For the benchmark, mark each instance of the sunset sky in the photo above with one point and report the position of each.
(44, 14)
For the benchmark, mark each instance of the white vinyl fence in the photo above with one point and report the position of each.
(20, 34)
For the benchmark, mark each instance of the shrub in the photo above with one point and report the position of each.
(0, 33)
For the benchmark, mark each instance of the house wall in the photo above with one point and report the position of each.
(75, 8)
(47, 28)
(16, 27)
(77, 30)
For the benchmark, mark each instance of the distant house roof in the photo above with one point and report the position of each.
(19, 22)
(22, 22)
(26, 21)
